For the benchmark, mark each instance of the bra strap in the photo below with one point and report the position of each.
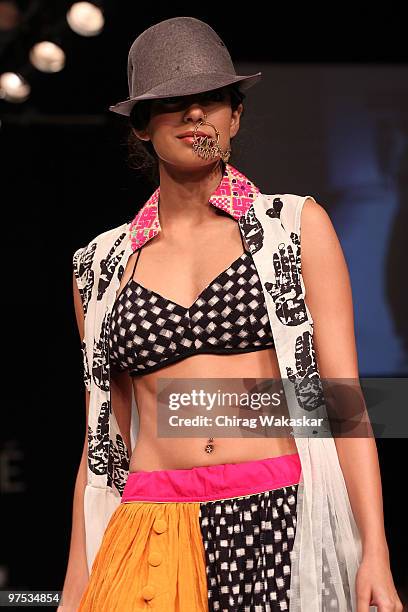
(130, 278)
(134, 267)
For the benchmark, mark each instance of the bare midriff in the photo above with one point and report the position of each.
(158, 270)
(166, 453)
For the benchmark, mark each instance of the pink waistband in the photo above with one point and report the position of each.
(213, 482)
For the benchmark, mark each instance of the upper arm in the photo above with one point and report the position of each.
(328, 294)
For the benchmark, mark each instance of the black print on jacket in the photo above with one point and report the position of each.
(84, 273)
(296, 241)
(275, 211)
(253, 230)
(306, 380)
(286, 291)
(108, 266)
(87, 375)
(100, 365)
(118, 465)
(98, 442)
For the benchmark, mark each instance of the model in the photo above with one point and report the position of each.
(207, 281)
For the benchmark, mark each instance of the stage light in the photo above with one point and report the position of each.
(13, 87)
(85, 19)
(47, 56)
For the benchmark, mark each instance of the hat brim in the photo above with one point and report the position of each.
(187, 85)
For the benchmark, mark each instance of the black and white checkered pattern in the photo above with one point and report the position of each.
(248, 545)
(149, 331)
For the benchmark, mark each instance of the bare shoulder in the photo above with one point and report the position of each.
(319, 240)
(315, 220)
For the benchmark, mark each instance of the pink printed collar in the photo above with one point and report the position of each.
(234, 195)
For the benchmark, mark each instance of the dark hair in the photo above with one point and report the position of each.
(141, 154)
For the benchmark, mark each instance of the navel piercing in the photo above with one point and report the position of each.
(207, 147)
(210, 446)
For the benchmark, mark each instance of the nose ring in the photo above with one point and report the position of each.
(207, 147)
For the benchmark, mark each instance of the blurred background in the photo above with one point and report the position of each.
(328, 119)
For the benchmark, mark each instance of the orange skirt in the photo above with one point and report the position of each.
(199, 539)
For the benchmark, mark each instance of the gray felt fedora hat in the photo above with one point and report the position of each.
(178, 57)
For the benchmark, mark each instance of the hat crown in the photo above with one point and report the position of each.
(180, 46)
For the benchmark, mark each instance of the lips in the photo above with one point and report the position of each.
(191, 134)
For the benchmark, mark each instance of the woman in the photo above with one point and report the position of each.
(212, 523)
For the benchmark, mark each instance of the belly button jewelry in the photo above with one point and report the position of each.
(210, 446)
(207, 147)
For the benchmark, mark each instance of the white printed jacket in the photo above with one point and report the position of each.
(326, 533)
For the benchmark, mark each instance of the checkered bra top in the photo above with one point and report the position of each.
(149, 331)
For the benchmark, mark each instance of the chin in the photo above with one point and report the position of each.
(192, 160)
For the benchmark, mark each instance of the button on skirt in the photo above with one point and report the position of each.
(208, 538)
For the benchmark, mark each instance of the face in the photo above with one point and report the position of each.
(171, 116)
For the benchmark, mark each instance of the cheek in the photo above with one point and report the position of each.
(161, 130)
(222, 121)
(166, 143)
(223, 127)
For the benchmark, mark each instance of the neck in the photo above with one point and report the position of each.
(184, 194)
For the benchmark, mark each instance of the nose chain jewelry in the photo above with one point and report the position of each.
(207, 147)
